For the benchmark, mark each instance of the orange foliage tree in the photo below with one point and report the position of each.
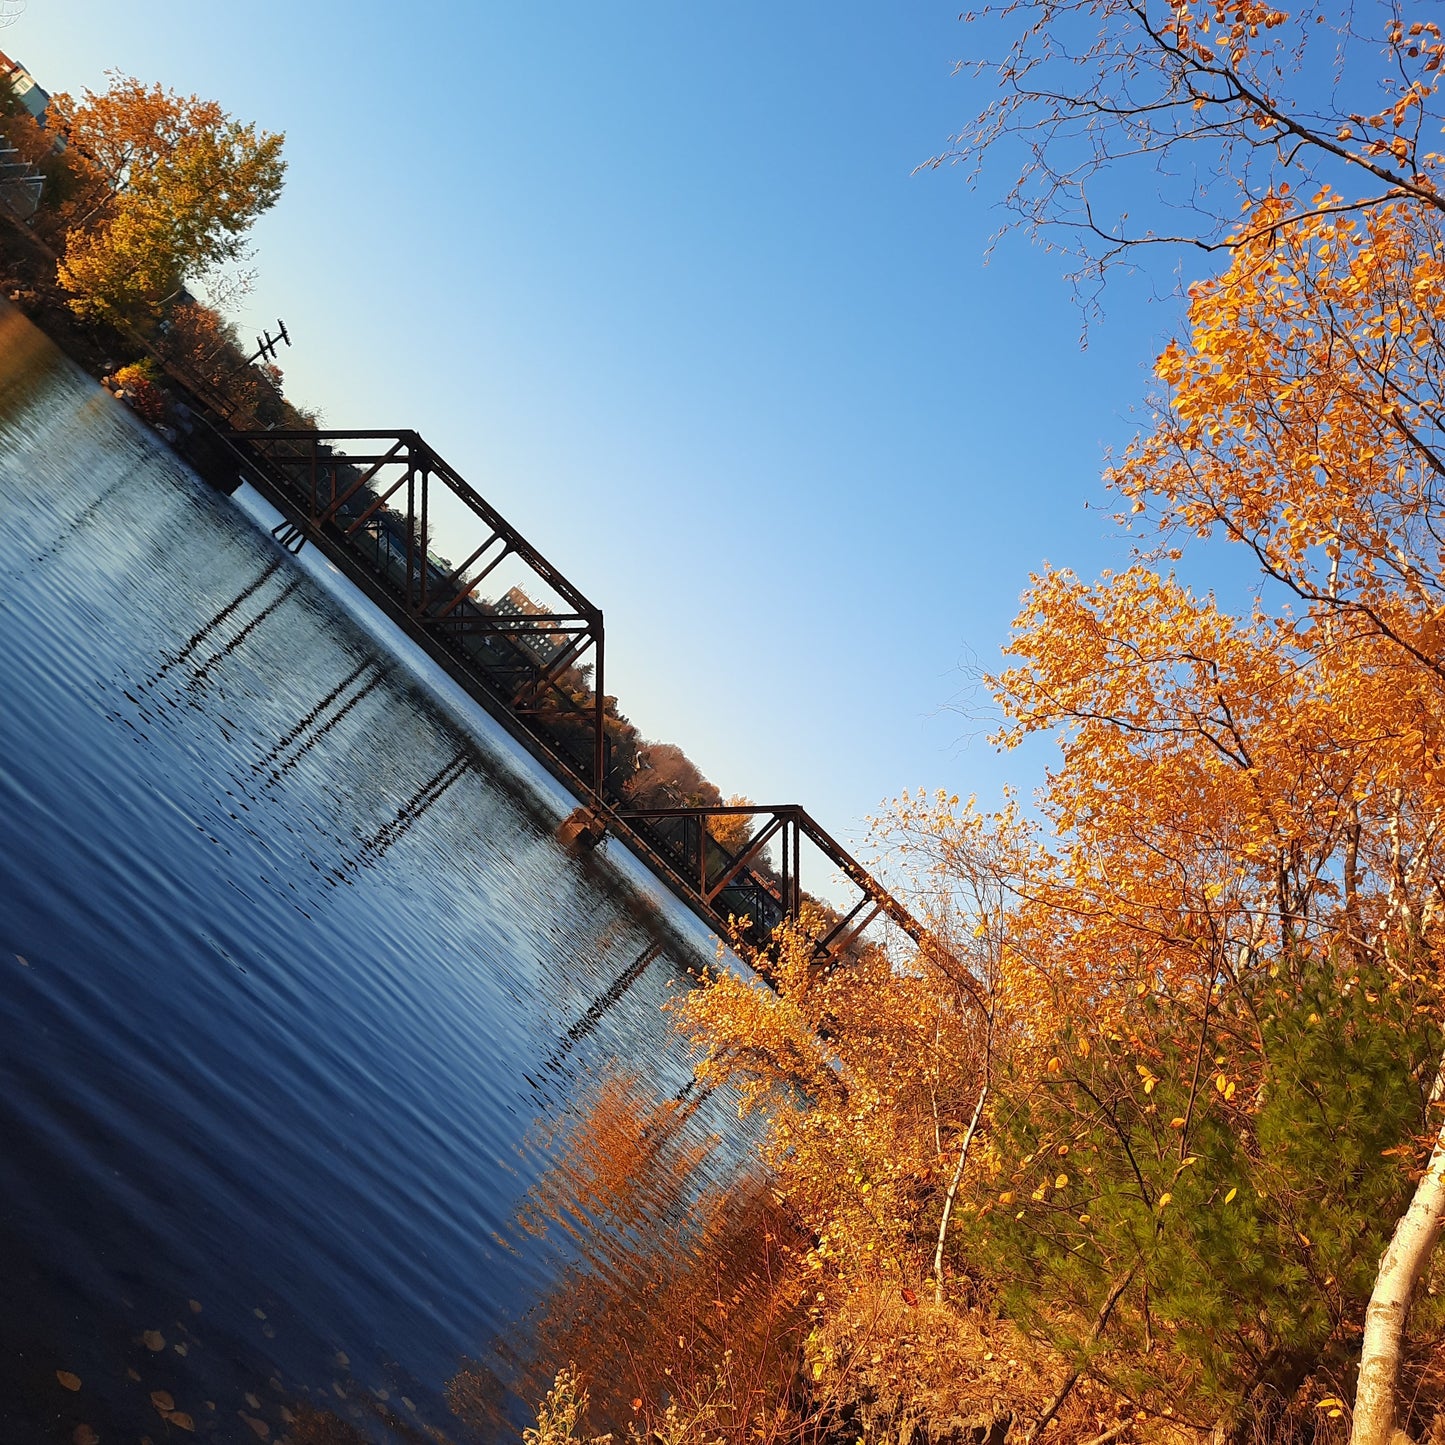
(1271, 787)
(1170, 1084)
(167, 187)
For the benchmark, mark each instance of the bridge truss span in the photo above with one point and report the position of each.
(528, 645)
(378, 500)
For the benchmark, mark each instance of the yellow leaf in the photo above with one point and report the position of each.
(1228, 1197)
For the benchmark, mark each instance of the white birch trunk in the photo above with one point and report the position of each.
(1400, 1270)
(952, 1192)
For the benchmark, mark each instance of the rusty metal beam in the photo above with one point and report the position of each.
(744, 858)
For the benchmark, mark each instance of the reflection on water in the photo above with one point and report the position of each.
(666, 1279)
(286, 1159)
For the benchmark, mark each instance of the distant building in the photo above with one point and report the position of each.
(23, 86)
(546, 640)
(21, 184)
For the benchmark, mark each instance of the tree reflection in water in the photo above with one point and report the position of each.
(682, 1259)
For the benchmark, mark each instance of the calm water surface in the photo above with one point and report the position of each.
(336, 1101)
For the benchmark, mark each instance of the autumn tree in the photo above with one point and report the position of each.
(669, 779)
(169, 188)
(1265, 789)
(733, 830)
(1220, 968)
(871, 1078)
(1303, 423)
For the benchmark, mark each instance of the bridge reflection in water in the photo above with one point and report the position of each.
(528, 644)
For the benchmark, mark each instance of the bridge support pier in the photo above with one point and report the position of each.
(582, 828)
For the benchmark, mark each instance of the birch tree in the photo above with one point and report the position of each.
(1274, 783)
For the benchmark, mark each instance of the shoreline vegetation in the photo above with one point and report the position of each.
(1152, 1148)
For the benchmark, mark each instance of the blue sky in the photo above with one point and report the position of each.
(662, 282)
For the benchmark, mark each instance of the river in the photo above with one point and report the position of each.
(337, 1101)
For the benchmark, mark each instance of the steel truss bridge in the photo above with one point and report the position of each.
(534, 656)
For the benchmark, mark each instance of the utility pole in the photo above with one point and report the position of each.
(266, 344)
